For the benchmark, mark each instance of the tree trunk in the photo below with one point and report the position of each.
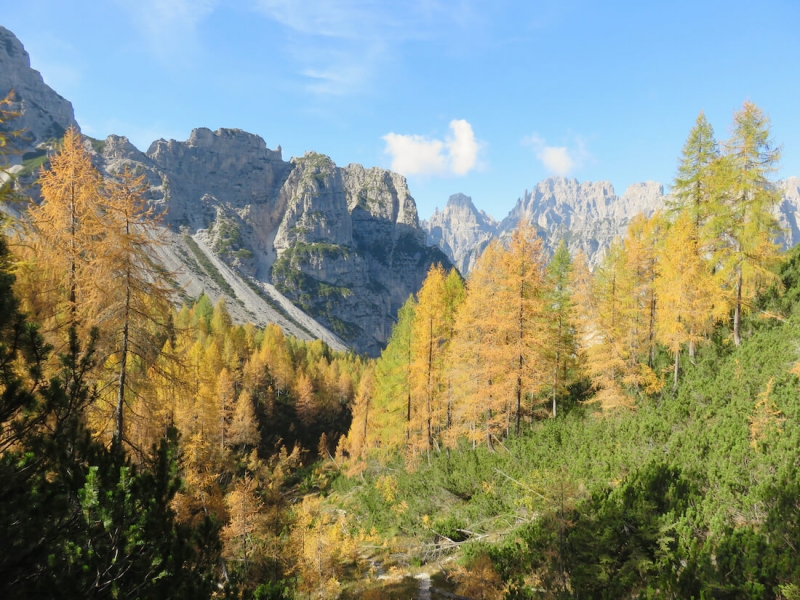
(675, 372)
(519, 366)
(737, 313)
(123, 362)
(430, 391)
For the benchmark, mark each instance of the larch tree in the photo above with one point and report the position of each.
(480, 410)
(693, 188)
(58, 254)
(560, 308)
(600, 325)
(454, 292)
(428, 349)
(638, 301)
(690, 301)
(129, 287)
(392, 405)
(362, 436)
(523, 334)
(307, 409)
(242, 536)
(744, 222)
(242, 431)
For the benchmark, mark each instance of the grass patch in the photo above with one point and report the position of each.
(209, 267)
(275, 305)
(228, 236)
(33, 162)
(98, 145)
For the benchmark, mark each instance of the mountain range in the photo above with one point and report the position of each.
(326, 252)
(587, 216)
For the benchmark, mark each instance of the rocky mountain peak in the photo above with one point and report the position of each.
(44, 115)
(460, 201)
(460, 230)
(587, 214)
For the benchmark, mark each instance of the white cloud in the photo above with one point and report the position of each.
(457, 154)
(559, 160)
(169, 26)
(463, 147)
(339, 46)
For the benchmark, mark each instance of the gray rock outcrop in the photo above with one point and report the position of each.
(461, 231)
(43, 115)
(344, 244)
(588, 215)
(788, 211)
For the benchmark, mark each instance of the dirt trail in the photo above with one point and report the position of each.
(424, 586)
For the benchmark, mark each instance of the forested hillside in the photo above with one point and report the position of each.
(537, 431)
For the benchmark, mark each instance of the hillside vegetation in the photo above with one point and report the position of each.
(538, 431)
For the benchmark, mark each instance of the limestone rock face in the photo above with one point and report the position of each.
(44, 115)
(343, 244)
(588, 216)
(789, 211)
(349, 248)
(461, 231)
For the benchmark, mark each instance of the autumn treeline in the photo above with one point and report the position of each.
(250, 405)
(475, 361)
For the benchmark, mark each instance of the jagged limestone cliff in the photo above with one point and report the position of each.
(461, 231)
(43, 114)
(342, 244)
(588, 216)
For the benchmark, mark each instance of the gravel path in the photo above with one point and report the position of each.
(424, 586)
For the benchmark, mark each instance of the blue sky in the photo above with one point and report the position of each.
(481, 97)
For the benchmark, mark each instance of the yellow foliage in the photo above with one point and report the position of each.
(765, 416)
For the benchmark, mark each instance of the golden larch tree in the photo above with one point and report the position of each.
(428, 350)
(55, 273)
(690, 301)
(129, 288)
